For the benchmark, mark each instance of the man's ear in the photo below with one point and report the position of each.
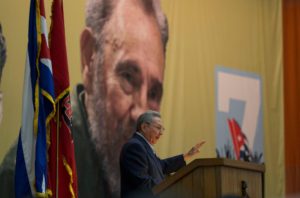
(144, 126)
(87, 44)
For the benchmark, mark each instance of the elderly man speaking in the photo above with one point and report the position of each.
(141, 169)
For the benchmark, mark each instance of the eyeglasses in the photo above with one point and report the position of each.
(160, 128)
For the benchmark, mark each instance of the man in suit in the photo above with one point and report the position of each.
(140, 168)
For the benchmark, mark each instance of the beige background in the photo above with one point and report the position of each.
(243, 35)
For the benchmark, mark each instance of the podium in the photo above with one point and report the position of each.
(214, 178)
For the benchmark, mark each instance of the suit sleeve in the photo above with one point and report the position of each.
(134, 164)
(172, 164)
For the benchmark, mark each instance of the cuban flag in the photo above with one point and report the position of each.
(240, 142)
(37, 110)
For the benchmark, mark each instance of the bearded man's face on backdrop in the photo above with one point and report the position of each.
(126, 81)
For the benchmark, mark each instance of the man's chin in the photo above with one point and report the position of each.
(108, 144)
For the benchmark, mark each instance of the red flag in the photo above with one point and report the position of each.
(237, 136)
(62, 175)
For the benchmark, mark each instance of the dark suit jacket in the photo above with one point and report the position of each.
(141, 169)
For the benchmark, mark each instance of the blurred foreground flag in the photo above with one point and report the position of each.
(37, 110)
(62, 181)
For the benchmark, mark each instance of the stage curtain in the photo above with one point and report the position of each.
(291, 49)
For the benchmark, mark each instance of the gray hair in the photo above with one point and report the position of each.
(146, 117)
(98, 13)
(2, 52)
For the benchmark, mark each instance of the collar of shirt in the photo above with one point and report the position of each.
(138, 133)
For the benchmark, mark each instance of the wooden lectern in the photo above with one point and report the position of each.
(214, 178)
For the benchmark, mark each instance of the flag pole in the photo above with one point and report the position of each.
(57, 148)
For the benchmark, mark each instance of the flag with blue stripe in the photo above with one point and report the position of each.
(37, 110)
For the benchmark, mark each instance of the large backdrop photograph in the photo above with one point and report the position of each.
(86, 70)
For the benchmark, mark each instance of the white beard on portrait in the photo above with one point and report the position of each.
(108, 135)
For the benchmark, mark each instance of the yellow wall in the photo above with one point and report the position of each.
(244, 35)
